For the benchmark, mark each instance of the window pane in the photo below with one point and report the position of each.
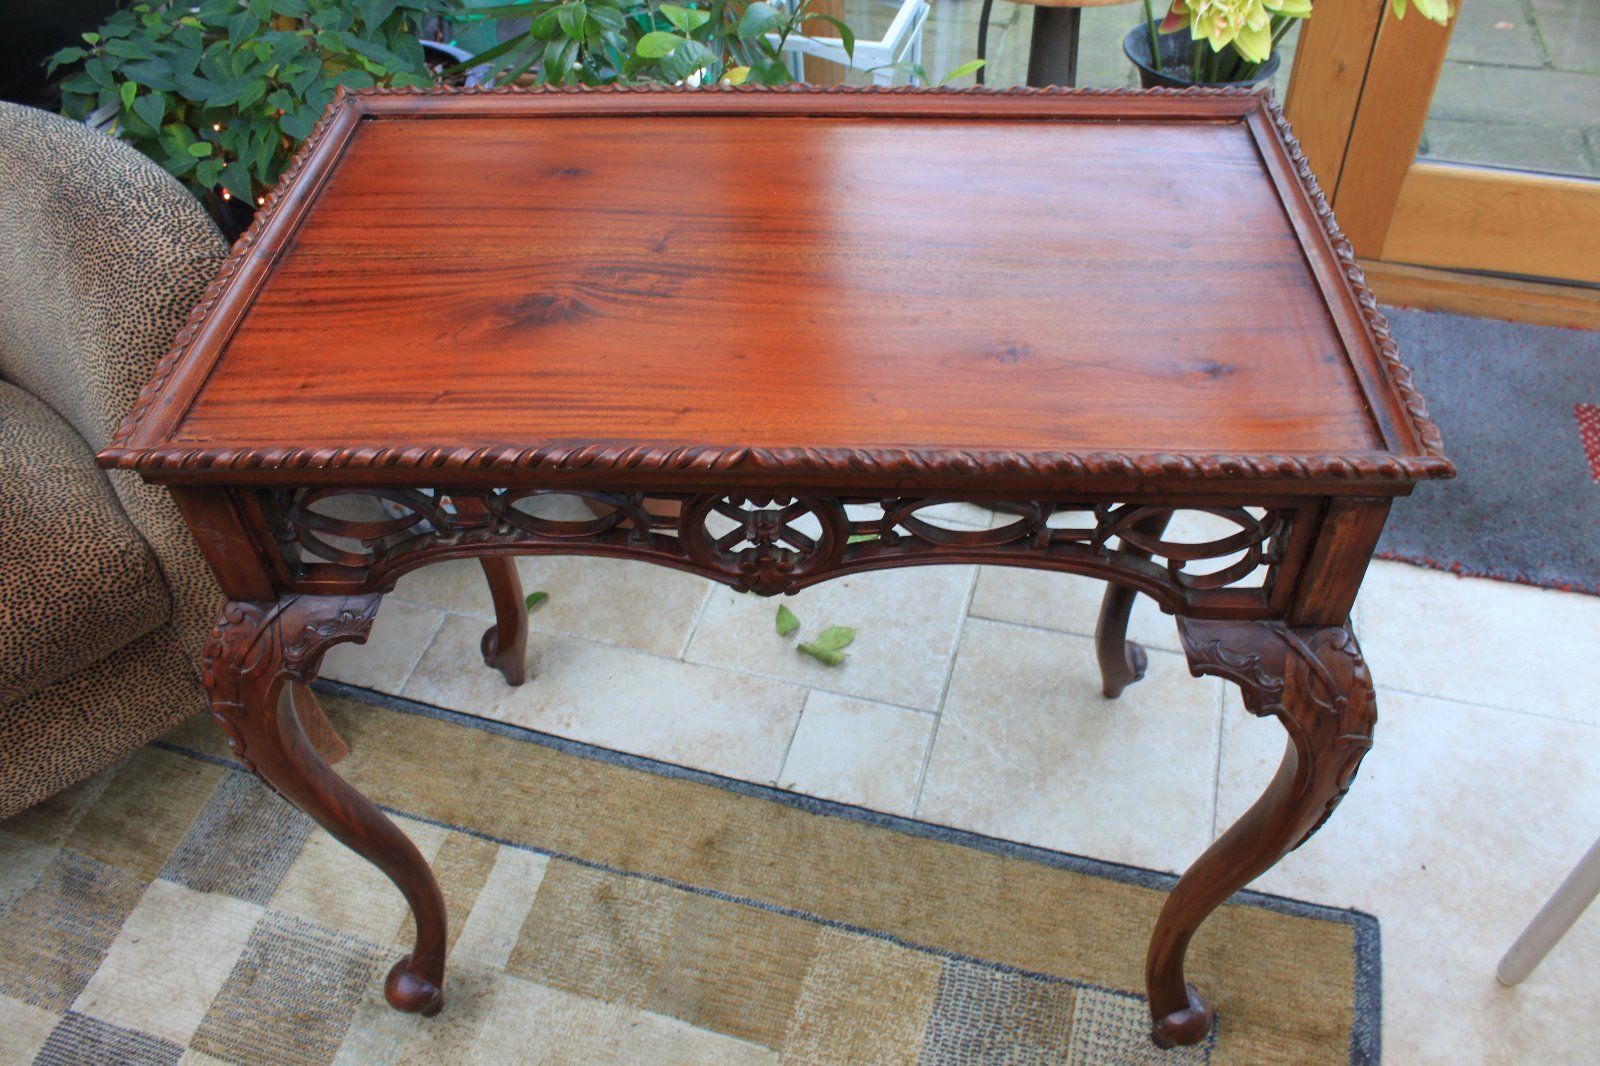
(1520, 87)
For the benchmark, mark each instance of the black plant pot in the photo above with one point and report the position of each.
(1177, 57)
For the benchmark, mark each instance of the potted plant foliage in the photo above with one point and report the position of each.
(220, 92)
(602, 42)
(1229, 42)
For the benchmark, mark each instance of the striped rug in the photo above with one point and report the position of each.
(608, 909)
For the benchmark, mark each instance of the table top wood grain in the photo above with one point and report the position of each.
(889, 287)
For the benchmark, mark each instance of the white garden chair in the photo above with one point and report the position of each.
(901, 44)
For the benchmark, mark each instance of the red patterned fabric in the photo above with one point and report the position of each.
(1588, 415)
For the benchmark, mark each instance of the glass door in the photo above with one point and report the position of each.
(1473, 147)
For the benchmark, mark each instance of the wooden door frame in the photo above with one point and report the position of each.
(1359, 95)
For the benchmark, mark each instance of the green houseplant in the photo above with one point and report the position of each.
(602, 42)
(220, 92)
(1229, 42)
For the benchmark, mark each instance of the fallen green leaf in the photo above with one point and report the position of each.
(826, 656)
(787, 623)
(835, 637)
(534, 599)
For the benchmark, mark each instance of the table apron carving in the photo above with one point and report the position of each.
(775, 544)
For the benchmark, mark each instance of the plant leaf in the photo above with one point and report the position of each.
(835, 637)
(970, 67)
(236, 179)
(151, 109)
(826, 656)
(687, 19)
(787, 623)
(656, 44)
(759, 18)
(571, 17)
(534, 599)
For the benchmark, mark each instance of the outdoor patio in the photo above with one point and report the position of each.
(970, 699)
(1521, 86)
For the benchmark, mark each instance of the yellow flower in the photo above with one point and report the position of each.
(1433, 10)
(1245, 24)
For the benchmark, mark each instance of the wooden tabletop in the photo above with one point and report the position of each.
(705, 286)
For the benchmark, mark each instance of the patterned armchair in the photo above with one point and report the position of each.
(105, 601)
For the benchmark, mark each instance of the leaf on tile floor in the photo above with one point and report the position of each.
(826, 656)
(835, 637)
(827, 647)
(787, 623)
(534, 599)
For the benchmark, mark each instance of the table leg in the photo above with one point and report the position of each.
(1122, 661)
(1315, 682)
(1053, 48)
(505, 644)
(326, 739)
(257, 648)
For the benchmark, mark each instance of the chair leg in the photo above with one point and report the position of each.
(1553, 920)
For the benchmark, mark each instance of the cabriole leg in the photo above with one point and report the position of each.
(1315, 682)
(505, 644)
(255, 650)
(1122, 661)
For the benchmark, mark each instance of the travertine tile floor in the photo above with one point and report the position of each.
(970, 699)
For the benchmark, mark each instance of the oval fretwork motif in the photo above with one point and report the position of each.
(776, 544)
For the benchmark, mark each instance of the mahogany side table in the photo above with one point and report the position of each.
(800, 317)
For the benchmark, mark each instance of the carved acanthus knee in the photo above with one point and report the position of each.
(1314, 680)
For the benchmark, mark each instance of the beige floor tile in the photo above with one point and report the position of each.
(906, 624)
(400, 634)
(855, 751)
(169, 960)
(632, 604)
(1461, 822)
(685, 714)
(1483, 642)
(1028, 749)
(1065, 602)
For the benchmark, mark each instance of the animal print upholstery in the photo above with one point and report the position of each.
(102, 254)
(83, 723)
(79, 581)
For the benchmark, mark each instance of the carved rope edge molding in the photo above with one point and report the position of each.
(888, 461)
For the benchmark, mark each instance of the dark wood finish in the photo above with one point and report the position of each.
(330, 746)
(254, 650)
(1123, 661)
(505, 644)
(1316, 683)
(1047, 302)
(812, 324)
